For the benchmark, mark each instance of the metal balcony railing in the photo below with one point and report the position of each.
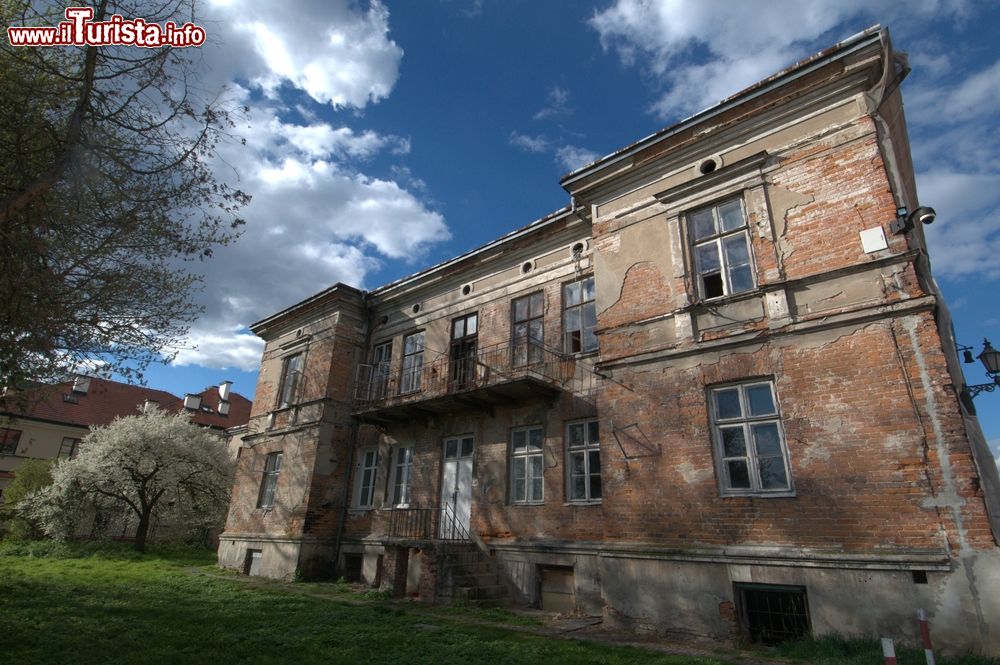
(381, 384)
(427, 524)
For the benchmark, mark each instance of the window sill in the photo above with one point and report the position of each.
(528, 504)
(755, 292)
(583, 504)
(783, 494)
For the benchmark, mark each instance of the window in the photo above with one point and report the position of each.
(291, 375)
(381, 362)
(773, 614)
(367, 470)
(403, 470)
(413, 363)
(579, 316)
(528, 336)
(721, 249)
(9, 438)
(749, 440)
(526, 463)
(68, 447)
(269, 483)
(583, 461)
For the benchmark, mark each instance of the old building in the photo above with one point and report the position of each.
(49, 421)
(718, 393)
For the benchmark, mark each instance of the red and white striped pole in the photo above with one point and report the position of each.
(888, 651)
(925, 636)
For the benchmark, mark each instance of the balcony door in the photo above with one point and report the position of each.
(381, 363)
(456, 488)
(462, 354)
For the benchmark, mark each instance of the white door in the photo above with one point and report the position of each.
(456, 487)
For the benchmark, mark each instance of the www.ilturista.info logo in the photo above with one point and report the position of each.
(79, 29)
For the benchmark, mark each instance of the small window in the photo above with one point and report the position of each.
(291, 376)
(749, 439)
(68, 447)
(367, 472)
(527, 463)
(773, 614)
(413, 363)
(9, 439)
(579, 316)
(583, 461)
(402, 472)
(721, 246)
(269, 483)
(527, 331)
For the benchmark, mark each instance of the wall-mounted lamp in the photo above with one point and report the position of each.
(905, 220)
(990, 358)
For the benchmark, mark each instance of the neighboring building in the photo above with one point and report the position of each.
(718, 394)
(49, 421)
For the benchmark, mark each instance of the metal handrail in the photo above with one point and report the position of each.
(380, 384)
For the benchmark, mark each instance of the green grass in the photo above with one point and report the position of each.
(841, 651)
(105, 603)
(62, 604)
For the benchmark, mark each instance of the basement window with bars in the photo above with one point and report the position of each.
(772, 614)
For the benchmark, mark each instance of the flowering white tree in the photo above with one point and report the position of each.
(155, 466)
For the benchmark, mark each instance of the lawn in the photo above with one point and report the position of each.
(107, 605)
(174, 608)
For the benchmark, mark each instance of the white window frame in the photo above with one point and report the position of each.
(269, 479)
(750, 424)
(527, 456)
(718, 239)
(291, 379)
(527, 349)
(582, 307)
(402, 476)
(588, 445)
(412, 363)
(364, 494)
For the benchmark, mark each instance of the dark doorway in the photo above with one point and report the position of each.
(462, 354)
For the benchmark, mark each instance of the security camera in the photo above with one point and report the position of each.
(924, 215)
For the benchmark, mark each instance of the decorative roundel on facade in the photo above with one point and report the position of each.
(466, 289)
(578, 248)
(527, 267)
(416, 308)
(708, 166)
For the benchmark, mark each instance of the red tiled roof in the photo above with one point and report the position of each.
(106, 400)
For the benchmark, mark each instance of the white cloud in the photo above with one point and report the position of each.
(529, 143)
(557, 104)
(316, 217)
(238, 349)
(698, 52)
(335, 54)
(571, 157)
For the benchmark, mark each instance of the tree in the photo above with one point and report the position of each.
(152, 467)
(32, 475)
(108, 189)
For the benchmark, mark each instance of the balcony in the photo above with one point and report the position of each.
(478, 380)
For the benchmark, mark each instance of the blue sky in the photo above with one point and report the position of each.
(386, 137)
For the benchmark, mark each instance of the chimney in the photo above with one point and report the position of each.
(150, 405)
(224, 389)
(223, 408)
(192, 401)
(81, 384)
